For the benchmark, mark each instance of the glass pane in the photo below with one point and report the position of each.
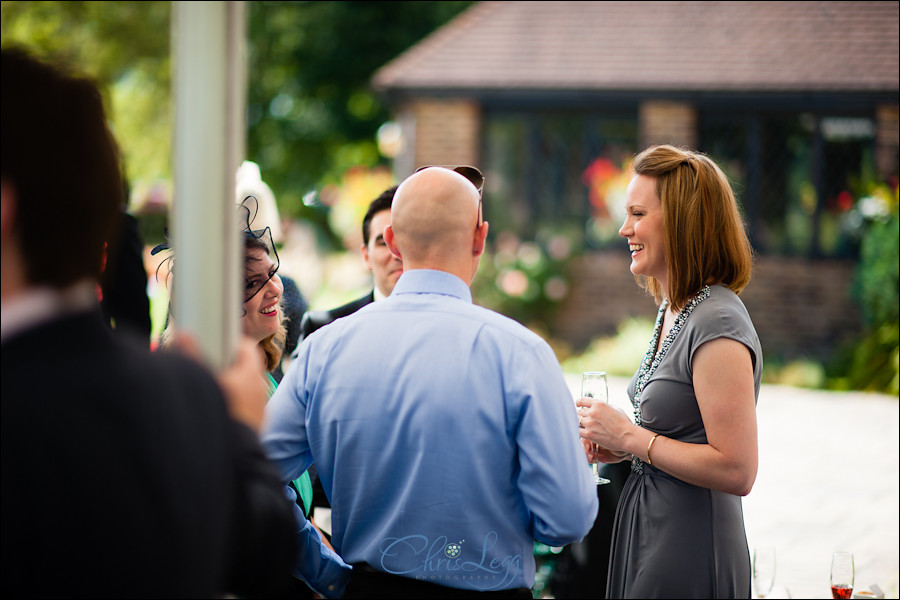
(539, 175)
(797, 177)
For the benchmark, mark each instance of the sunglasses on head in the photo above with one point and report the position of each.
(470, 173)
(473, 175)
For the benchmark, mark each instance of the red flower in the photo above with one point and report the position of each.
(844, 201)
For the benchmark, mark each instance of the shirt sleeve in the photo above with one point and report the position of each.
(286, 444)
(284, 436)
(317, 564)
(555, 478)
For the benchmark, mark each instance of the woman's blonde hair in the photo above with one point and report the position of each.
(273, 346)
(705, 238)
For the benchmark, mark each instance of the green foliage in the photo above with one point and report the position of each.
(871, 363)
(619, 355)
(805, 373)
(524, 280)
(125, 47)
(877, 274)
(312, 113)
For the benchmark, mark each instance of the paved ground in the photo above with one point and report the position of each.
(829, 479)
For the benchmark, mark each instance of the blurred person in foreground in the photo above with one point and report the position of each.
(679, 528)
(124, 473)
(385, 267)
(444, 433)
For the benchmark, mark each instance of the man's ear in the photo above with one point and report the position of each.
(481, 233)
(391, 242)
(364, 250)
(7, 209)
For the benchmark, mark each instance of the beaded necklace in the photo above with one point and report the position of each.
(653, 357)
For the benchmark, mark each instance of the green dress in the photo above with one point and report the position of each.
(303, 484)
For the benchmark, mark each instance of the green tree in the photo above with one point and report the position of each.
(125, 47)
(873, 361)
(312, 114)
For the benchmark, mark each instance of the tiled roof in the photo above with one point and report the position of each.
(628, 46)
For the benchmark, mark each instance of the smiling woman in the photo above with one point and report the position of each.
(263, 321)
(692, 441)
(263, 316)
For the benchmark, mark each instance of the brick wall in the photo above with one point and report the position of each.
(447, 132)
(803, 307)
(887, 139)
(672, 123)
(800, 307)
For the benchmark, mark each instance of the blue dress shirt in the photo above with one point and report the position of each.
(444, 433)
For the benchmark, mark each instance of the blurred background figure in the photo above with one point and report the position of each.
(582, 567)
(123, 285)
(386, 268)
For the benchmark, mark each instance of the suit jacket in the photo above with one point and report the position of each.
(123, 476)
(294, 308)
(314, 319)
(124, 283)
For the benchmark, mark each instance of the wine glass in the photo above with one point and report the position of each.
(763, 570)
(593, 385)
(842, 573)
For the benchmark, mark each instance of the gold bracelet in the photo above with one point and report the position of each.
(650, 445)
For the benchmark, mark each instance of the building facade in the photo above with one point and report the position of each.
(797, 101)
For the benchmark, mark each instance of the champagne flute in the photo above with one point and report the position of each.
(842, 574)
(593, 385)
(763, 570)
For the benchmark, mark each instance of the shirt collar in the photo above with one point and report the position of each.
(41, 304)
(428, 281)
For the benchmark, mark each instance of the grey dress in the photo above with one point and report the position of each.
(672, 539)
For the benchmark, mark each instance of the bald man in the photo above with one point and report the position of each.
(444, 433)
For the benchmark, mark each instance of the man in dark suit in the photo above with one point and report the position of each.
(125, 473)
(385, 267)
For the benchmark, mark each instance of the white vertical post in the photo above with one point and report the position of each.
(208, 144)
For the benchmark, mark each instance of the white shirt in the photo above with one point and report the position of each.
(38, 305)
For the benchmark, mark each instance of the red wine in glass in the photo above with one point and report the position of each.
(841, 591)
(842, 574)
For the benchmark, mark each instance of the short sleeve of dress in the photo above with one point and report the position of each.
(723, 315)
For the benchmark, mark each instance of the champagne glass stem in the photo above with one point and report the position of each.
(594, 385)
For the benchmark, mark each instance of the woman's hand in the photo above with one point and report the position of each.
(605, 426)
(599, 454)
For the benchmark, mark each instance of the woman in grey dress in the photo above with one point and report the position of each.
(679, 527)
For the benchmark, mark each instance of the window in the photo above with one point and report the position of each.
(797, 177)
(535, 164)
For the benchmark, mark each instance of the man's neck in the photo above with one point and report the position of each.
(36, 305)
